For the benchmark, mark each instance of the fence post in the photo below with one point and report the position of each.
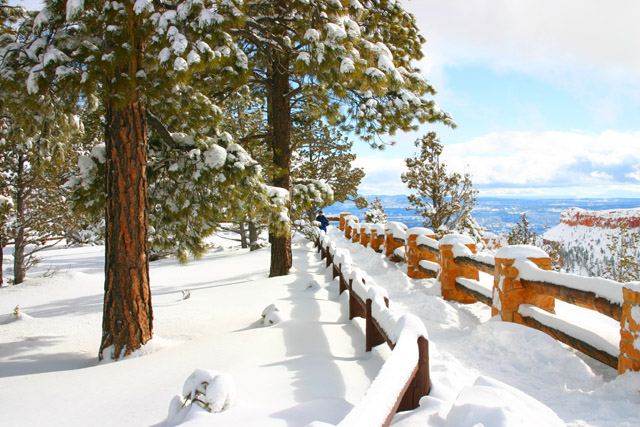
(343, 222)
(629, 359)
(347, 228)
(414, 255)
(355, 233)
(421, 384)
(395, 238)
(373, 337)
(365, 234)
(377, 237)
(508, 291)
(450, 270)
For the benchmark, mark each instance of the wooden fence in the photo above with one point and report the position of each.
(516, 282)
(404, 378)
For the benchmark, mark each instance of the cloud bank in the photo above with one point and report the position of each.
(535, 163)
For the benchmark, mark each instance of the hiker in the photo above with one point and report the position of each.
(323, 221)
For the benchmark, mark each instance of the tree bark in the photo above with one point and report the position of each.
(279, 116)
(253, 235)
(128, 317)
(19, 271)
(1, 260)
(243, 235)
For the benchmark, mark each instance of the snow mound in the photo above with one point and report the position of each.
(489, 402)
(15, 316)
(271, 315)
(210, 390)
(313, 286)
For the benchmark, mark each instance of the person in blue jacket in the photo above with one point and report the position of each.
(323, 221)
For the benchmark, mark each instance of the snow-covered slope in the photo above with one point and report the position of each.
(585, 237)
(309, 365)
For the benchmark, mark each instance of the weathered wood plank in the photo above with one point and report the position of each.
(577, 297)
(579, 345)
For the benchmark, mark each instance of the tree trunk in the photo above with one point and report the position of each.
(19, 272)
(243, 235)
(1, 260)
(253, 235)
(279, 114)
(127, 321)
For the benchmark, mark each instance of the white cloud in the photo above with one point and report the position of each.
(580, 45)
(544, 163)
(594, 33)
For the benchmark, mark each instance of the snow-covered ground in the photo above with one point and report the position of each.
(310, 365)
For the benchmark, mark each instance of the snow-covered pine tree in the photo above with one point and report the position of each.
(349, 62)
(35, 137)
(521, 233)
(131, 55)
(322, 152)
(445, 200)
(376, 214)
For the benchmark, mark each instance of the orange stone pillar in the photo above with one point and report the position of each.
(629, 359)
(365, 234)
(395, 237)
(413, 254)
(377, 237)
(343, 222)
(508, 292)
(450, 270)
(355, 232)
(348, 228)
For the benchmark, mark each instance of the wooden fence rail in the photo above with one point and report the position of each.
(521, 277)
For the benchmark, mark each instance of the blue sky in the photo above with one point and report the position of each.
(546, 95)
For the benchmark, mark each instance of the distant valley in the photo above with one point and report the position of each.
(497, 215)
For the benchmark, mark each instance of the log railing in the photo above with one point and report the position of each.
(399, 384)
(521, 288)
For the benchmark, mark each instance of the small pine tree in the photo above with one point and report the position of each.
(376, 214)
(521, 234)
(445, 200)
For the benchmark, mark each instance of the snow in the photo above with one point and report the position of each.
(309, 367)
(74, 7)
(604, 288)
(420, 231)
(520, 252)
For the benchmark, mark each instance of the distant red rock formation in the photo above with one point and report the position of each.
(602, 219)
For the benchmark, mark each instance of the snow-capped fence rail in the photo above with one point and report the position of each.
(404, 377)
(519, 286)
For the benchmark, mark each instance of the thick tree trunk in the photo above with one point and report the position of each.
(127, 322)
(280, 125)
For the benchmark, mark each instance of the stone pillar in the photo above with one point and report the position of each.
(629, 359)
(343, 222)
(508, 292)
(355, 233)
(392, 232)
(365, 234)
(377, 237)
(413, 254)
(348, 227)
(450, 270)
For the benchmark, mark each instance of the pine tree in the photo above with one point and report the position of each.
(346, 62)
(376, 214)
(445, 200)
(324, 153)
(35, 136)
(132, 56)
(521, 233)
